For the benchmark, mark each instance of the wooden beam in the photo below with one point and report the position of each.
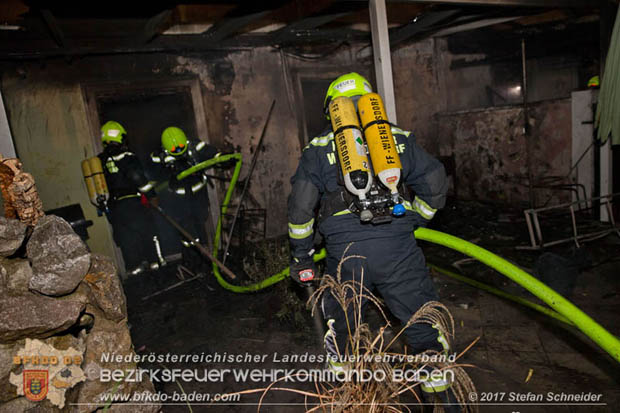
(382, 58)
(229, 26)
(474, 25)
(424, 22)
(17, 49)
(519, 3)
(152, 26)
(52, 25)
(306, 24)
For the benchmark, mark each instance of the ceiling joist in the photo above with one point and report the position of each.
(310, 23)
(54, 28)
(425, 22)
(229, 26)
(518, 3)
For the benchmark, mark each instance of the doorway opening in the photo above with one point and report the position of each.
(145, 109)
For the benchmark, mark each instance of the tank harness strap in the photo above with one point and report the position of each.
(376, 122)
(344, 127)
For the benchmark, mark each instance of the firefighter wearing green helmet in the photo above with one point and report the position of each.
(352, 85)
(391, 261)
(132, 223)
(185, 200)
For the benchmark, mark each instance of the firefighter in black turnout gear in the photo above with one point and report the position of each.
(186, 200)
(132, 223)
(394, 264)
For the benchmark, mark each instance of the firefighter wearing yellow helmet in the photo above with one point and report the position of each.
(129, 190)
(363, 212)
(185, 200)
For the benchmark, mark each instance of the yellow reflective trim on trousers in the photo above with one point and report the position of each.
(442, 339)
(300, 231)
(435, 387)
(423, 208)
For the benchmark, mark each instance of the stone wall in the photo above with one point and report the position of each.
(62, 308)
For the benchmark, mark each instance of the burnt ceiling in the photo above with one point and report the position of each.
(34, 29)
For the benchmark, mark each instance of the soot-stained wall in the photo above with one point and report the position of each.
(237, 88)
(491, 151)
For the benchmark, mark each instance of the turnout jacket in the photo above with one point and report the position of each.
(196, 153)
(123, 173)
(317, 180)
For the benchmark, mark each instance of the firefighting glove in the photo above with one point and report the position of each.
(303, 271)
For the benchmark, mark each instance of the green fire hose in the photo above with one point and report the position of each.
(582, 321)
(563, 309)
(490, 289)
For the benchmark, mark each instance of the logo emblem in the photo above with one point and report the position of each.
(35, 384)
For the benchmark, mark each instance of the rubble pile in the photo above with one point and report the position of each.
(62, 309)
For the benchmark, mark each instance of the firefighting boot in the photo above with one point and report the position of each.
(334, 357)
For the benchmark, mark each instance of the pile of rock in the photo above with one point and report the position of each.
(61, 303)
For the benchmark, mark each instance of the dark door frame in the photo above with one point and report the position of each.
(94, 91)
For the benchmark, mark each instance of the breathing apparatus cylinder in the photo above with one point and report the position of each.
(385, 160)
(95, 182)
(351, 151)
(89, 181)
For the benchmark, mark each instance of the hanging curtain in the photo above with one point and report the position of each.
(608, 108)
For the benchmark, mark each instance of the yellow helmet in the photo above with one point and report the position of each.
(349, 85)
(594, 81)
(112, 131)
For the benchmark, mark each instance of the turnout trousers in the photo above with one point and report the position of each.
(133, 230)
(395, 268)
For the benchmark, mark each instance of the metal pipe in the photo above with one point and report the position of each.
(526, 127)
(574, 221)
(567, 204)
(247, 181)
(530, 230)
(538, 230)
(197, 245)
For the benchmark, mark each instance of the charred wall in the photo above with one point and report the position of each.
(448, 108)
(491, 150)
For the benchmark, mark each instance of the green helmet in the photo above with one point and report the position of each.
(174, 141)
(594, 81)
(112, 131)
(349, 85)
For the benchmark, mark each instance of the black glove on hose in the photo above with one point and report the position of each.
(303, 271)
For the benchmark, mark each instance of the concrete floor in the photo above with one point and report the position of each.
(515, 341)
